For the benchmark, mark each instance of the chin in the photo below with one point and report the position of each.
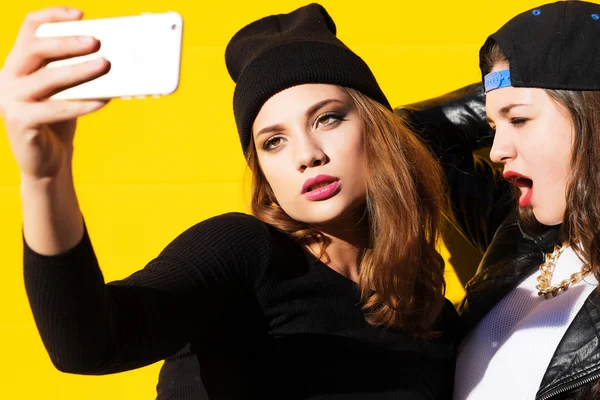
(327, 213)
(548, 218)
(323, 217)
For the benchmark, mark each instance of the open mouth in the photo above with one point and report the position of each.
(520, 182)
(525, 186)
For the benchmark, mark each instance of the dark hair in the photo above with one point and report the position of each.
(401, 273)
(581, 224)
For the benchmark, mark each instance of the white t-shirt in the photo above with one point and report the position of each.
(508, 352)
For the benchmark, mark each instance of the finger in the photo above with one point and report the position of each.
(52, 14)
(41, 51)
(26, 116)
(65, 110)
(27, 32)
(50, 80)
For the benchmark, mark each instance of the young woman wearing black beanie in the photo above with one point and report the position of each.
(332, 289)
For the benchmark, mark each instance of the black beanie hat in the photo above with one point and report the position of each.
(553, 46)
(285, 50)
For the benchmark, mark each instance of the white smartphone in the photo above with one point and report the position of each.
(144, 52)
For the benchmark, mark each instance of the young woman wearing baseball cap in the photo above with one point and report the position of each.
(533, 310)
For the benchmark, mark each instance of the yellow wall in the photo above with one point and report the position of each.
(147, 169)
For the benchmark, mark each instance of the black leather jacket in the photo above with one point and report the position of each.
(485, 213)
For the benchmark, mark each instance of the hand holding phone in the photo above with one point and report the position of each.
(40, 132)
(144, 52)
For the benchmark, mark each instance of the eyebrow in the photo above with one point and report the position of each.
(506, 109)
(312, 110)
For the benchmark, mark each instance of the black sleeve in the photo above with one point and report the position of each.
(90, 327)
(455, 129)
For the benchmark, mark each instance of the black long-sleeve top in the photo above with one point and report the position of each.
(239, 311)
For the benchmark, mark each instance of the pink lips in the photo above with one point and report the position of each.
(320, 187)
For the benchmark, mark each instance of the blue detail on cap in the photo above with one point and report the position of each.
(595, 16)
(497, 80)
(536, 12)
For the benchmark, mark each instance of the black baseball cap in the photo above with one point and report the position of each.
(553, 46)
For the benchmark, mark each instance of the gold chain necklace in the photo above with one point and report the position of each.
(547, 270)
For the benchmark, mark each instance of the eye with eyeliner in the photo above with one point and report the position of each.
(336, 118)
(325, 120)
(518, 121)
(271, 143)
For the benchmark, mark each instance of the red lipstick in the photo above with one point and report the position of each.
(524, 184)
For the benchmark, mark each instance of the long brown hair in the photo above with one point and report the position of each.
(581, 224)
(401, 273)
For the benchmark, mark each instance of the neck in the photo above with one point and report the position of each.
(346, 242)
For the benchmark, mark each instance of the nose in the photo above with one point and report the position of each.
(503, 148)
(309, 153)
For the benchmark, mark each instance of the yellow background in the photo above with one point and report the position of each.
(147, 169)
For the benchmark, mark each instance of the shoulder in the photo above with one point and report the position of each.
(226, 230)
(233, 223)
(228, 239)
(447, 323)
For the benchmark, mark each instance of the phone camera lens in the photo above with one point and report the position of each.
(173, 27)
